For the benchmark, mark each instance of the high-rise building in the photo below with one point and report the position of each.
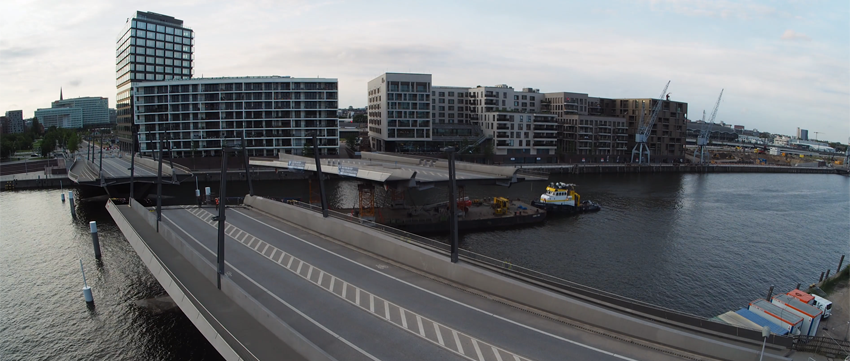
(275, 114)
(16, 121)
(95, 110)
(61, 117)
(802, 134)
(150, 47)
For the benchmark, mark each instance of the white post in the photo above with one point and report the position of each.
(86, 288)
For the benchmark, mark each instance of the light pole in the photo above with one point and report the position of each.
(452, 204)
(765, 333)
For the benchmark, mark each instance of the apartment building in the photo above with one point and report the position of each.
(275, 113)
(450, 114)
(586, 131)
(399, 112)
(15, 121)
(667, 138)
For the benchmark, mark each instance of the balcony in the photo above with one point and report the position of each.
(545, 143)
(546, 128)
(502, 126)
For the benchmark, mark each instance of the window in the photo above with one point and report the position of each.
(151, 27)
(451, 94)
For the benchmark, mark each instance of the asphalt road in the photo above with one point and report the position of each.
(358, 307)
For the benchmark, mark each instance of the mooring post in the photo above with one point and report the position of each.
(71, 202)
(94, 241)
(821, 277)
(86, 289)
(827, 275)
(770, 293)
(839, 264)
(798, 286)
(62, 196)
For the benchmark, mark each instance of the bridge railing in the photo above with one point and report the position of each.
(625, 304)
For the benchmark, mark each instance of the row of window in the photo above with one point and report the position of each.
(141, 25)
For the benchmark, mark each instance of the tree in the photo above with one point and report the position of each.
(308, 149)
(36, 128)
(73, 143)
(360, 118)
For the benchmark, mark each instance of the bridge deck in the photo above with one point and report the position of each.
(355, 306)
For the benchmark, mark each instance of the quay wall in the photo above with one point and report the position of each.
(731, 348)
(674, 168)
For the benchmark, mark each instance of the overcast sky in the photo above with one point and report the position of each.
(784, 64)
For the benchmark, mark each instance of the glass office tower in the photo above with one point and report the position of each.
(150, 47)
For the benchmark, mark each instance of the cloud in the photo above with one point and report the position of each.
(16, 52)
(711, 8)
(791, 35)
(76, 82)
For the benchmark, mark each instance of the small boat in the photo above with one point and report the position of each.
(562, 198)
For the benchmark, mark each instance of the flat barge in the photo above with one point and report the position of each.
(473, 215)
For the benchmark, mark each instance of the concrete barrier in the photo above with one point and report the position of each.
(237, 294)
(165, 278)
(507, 288)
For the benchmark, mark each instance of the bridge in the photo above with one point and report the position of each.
(112, 174)
(297, 285)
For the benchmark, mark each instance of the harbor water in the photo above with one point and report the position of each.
(698, 243)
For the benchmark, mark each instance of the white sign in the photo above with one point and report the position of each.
(296, 164)
(347, 171)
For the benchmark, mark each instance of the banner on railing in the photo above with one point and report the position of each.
(296, 164)
(348, 171)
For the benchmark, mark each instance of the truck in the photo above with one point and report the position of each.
(823, 304)
(811, 315)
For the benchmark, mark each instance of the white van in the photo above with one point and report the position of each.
(823, 304)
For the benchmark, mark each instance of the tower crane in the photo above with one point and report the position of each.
(645, 129)
(705, 131)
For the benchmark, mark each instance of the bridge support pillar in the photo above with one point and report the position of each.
(94, 240)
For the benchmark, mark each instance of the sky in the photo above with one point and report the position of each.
(782, 64)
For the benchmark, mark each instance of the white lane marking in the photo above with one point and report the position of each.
(496, 352)
(309, 272)
(300, 263)
(344, 289)
(258, 285)
(403, 319)
(419, 323)
(457, 342)
(357, 296)
(387, 310)
(332, 284)
(371, 303)
(271, 256)
(442, 296)
(289, 264)
(477, 349)
(439, 335)
(321, 274)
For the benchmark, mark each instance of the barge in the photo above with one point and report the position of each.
(473, 215)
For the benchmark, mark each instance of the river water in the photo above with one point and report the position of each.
(702, 244)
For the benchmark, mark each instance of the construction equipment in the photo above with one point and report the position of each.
(705, 131)
(645, 128)
(500, 205)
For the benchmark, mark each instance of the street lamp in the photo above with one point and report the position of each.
(765, 333)
(452, 203)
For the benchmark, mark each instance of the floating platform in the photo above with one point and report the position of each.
(479, 216)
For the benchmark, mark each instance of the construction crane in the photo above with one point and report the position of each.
(645, 129)
(705, 132)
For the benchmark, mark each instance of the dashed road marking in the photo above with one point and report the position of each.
(421, 322)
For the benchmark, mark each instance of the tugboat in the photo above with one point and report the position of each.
(562, 198)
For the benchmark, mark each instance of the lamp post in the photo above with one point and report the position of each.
(765, 333)
(452, 204)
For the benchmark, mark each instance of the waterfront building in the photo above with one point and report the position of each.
(521, 125)
(95, 110)
(150, 47)
(61, 117)
(15, 121)
(275, 113)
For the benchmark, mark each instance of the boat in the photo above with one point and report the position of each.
(473, 215)
(562, 198)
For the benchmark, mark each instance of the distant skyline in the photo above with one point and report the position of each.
(783, 64)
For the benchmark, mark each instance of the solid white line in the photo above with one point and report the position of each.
(308, 318)
(442, 296)
(439, 335)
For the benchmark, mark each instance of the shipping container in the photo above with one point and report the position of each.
(761, 322)
(802, 296)
(777, 315)
(811, 315)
